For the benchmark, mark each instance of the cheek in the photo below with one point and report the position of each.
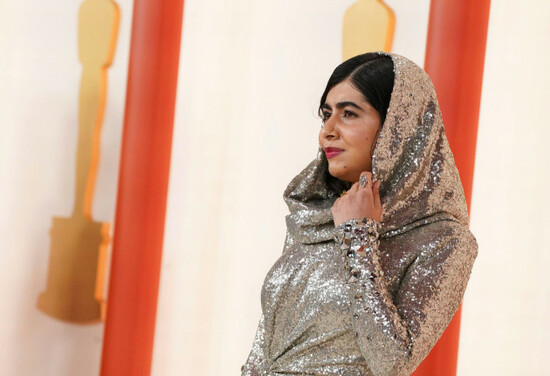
(359, 140)
(369, 136)
(361, 144)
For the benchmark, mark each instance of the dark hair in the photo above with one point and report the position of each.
(372, 74)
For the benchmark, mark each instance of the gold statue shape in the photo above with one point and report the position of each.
(368, 26)
(78, 250)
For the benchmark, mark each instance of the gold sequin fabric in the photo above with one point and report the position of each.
(369, 298)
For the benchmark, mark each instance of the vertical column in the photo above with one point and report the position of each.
(455, 56)
(142, 188)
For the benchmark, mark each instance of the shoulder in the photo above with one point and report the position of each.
(443, 250)
(448, 239)
(441, 244)
(435, 237)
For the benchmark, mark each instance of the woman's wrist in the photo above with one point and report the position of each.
(365, 230)
(358, 241)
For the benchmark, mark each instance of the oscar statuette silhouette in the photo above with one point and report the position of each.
(78, 249)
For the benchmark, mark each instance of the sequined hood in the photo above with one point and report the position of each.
(412, 160)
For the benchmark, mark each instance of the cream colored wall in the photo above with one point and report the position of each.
(505, 329)
(39, 83)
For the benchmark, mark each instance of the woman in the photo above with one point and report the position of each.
(369, 277)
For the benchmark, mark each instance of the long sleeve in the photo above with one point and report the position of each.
(396, 331)
(256, 359)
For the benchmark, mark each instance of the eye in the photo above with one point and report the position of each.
(325, 115)
(349, 114)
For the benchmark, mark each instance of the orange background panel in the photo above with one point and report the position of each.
(142, 187)
(455, 56)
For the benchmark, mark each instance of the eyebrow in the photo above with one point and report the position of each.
(341, 105)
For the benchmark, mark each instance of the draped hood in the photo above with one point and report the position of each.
(419, 180)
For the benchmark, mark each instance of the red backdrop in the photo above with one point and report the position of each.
(142, 188)
(455, 56)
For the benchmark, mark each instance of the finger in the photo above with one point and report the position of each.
(369, 179)
(365, 180)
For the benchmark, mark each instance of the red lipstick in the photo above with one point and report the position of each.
(332, 152)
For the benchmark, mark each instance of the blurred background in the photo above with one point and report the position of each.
(250, 77)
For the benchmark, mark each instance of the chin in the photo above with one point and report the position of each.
(340, 173)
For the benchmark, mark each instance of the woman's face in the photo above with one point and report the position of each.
(351, 128)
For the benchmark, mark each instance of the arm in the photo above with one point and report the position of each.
(396, 333)
(254, 363)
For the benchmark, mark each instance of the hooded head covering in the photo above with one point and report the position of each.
(412, 159)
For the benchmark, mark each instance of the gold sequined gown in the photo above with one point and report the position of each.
(369, 298)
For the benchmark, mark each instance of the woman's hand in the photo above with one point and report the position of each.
(359, 201)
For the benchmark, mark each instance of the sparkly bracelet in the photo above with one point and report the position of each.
(365, 230)
(358, 238)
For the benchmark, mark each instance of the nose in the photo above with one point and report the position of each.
(329, 130)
